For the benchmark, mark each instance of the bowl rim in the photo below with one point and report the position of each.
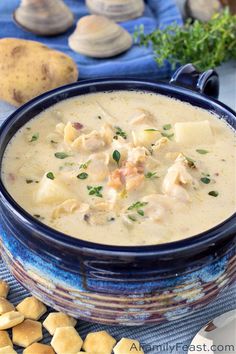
(201, 240)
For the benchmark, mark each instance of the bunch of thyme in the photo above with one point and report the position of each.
(204, 44)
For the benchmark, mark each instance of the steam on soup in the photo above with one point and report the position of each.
(124, 168)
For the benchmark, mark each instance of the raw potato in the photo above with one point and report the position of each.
(194, 133)
(29, 68)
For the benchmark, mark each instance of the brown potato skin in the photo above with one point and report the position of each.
(29, 68)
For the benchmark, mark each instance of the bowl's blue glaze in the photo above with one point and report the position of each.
(109, 284)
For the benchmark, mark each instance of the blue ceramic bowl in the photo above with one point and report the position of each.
(110, 284)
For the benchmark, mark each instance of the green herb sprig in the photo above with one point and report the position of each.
(96, 191)
(206, 45)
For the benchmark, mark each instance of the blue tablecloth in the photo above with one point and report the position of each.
(136, 62)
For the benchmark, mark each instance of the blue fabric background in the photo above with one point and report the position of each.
(137, 61)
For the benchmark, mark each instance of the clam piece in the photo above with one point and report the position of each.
(44, 17)
(117, 10)
(99, 37)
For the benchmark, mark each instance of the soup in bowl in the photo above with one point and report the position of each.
(118, 200)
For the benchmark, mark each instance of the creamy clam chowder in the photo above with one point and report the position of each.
(124, 168)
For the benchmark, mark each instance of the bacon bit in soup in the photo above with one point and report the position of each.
(77, 125)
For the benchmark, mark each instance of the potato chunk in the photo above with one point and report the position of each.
(194, 133)
(52, 191)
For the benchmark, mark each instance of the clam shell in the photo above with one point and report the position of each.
(44, 17)
(99, 37)
(117, 10)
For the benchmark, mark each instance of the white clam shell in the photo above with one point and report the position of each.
(99, 37)
(44, 17)
(117, 10)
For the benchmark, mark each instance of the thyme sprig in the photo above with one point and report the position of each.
(206, 45)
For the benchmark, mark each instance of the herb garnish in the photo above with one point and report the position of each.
(190, 161)
(137, 205)
(34, 137)
(151, 130)
(50, 175)
(95, 191)
(61, 155)
(204, 44)
(120, 132)
(213, 193)
(202, 151)
(29, 181)
(116, 156)
(53, 142)
(99, 117)
(140, 212)
(167, 126)
(85, 165)
(205, 180)
(132, 218)
(151, 175)
(166, 135)
(82, 175)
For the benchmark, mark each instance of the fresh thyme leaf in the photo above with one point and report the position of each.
(151, 130)
(132, 218)
(50, 175)
(167, 126)
(116, 156)
(61, 155)
(140, 212)
(99, 117)
(82, 175)
(120, 132)
(137, 205)
(53, 142)
(202, 151)
(205, 180)
(204, 44)
(166, 135)
(95, 191)
(213, 193)
(151, 175)
(34, 137)
(85, 165)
